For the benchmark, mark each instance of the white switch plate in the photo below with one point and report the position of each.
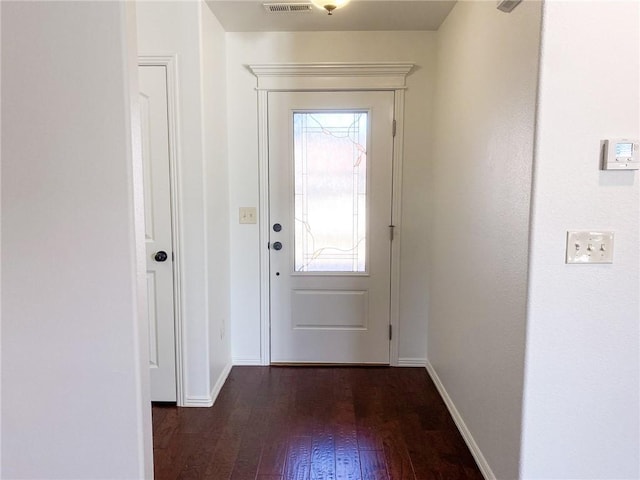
(248, 215)
(589, 247)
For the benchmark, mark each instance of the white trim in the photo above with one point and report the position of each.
(263, 221)
(170, 62)
(198, 401)
(396, 220)
(215, 391)
(412, 362)
(331, 76)
(247, 361)
(487, 473)
(324, 77)
(209, 400)
(317, 70)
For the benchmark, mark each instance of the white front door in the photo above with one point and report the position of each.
(157, 214)
(330, 187)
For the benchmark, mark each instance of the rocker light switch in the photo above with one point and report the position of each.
(589, 247)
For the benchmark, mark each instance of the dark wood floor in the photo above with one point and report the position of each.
(314, 423)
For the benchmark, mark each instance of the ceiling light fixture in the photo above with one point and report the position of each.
(329, 5)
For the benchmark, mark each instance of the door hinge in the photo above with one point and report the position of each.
(391, 230)
(393, 128)
(390, 332)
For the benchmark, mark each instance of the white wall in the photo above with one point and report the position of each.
(74, 363)
(249, 48)
(479, 222)
(189, 30)
(214, 134)
(581, 413)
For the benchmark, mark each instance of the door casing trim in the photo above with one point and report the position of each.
(328, 77)
(170, 62)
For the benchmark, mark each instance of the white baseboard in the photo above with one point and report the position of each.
(198, 401)
(215, 391)
(208, 400)
(483, 465)
(412, 362)
(254, 362)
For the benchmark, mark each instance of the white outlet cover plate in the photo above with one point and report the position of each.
(589, 247)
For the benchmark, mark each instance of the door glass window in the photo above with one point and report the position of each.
(330, 157)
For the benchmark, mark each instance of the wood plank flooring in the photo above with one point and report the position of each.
(314, 423)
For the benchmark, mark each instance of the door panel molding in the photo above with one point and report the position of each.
(306, 313)
(328, 77)
(170, 63)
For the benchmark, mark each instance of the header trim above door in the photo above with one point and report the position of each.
(328, 77)
(331, 76)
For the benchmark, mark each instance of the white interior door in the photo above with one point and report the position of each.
(330, 187)
(157, 202)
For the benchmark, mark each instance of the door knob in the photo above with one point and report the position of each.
(277, 246)
(160, 256)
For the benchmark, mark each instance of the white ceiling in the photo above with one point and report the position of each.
(251, 16)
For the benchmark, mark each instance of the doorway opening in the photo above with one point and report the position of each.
(330, 81)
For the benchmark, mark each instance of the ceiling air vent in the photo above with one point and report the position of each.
(507, 5)
(287, 7)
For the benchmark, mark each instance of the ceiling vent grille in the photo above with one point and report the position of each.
(507, 5)
(287, 7)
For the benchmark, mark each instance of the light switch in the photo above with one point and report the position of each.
(248, 215)
(589, 247)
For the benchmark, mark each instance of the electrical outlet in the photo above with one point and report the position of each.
(589, 247)
(248, 215)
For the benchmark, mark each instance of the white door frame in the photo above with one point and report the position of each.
(328, 77)
(171, 64)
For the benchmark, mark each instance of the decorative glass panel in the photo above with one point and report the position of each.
(330, 157)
